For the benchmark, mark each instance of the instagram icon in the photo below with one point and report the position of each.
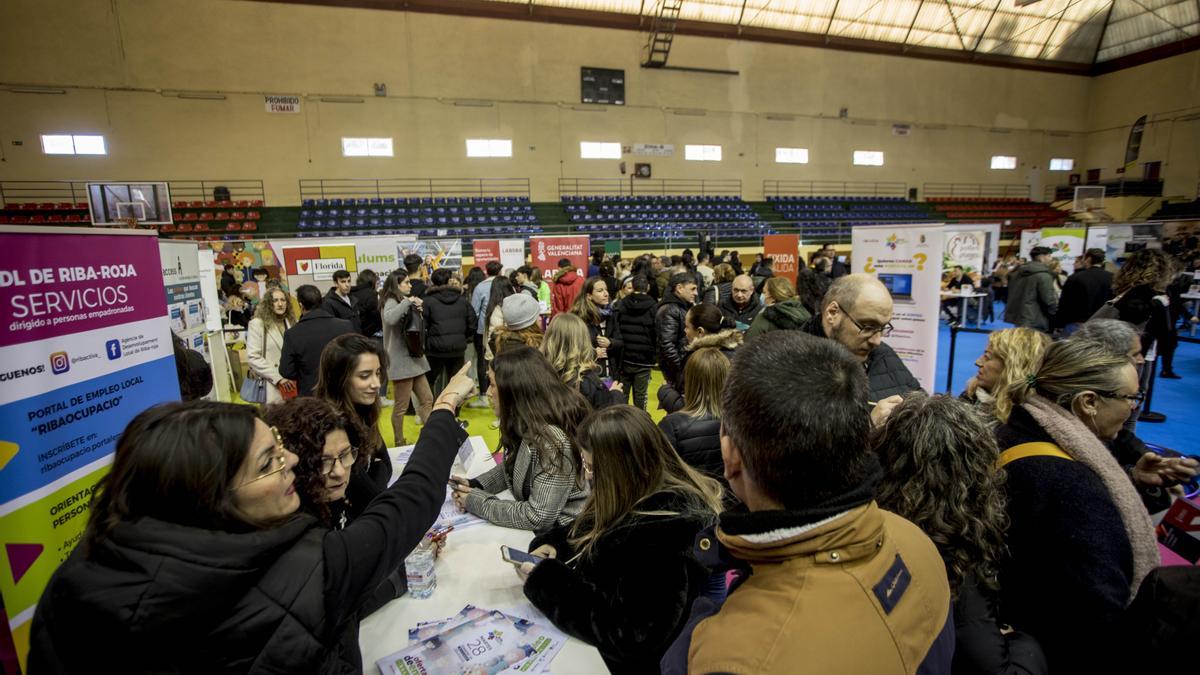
(60, 363)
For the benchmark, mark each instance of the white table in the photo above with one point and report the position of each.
(469, 572)
(962, 312)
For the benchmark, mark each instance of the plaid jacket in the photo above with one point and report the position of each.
(543, 496)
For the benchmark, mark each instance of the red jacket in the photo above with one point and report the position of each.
(565, 288)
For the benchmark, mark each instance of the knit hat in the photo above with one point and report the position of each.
(520, 311)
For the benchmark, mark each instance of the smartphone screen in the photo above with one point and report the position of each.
(513, 555)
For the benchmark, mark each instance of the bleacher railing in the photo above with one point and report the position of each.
(704, 187)
(379, 188)
(824, 188)
(977, 190)
(1115, 188)
(26, 191)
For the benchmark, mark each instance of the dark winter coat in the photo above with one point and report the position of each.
(635, 321)
(670, 394)
(336, 306)
(787, 315)
(1032, 297)
(886, 373)
(609, 328)
(1085, 292)
(698, 442)
(599, 396)
(449, 322)
(630, 596)
(743, 315)
(300, 356)
(979, 646)
(1070, 566)
(367, 301)
(671, 339)
(160, 597)
(1162, 625)
(1148, 310)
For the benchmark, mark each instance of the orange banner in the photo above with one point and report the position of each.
(783, 249)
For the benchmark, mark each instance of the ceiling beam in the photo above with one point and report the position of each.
(1104, 31)
(986, 26)
(914, 22)
(954, 22)
(1057, 23)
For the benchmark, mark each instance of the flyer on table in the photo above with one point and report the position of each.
(86, 347)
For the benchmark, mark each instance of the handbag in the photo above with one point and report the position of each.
(287, 389)
(414, 332)
(254, 387)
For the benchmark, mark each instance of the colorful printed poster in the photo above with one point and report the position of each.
(547, 251)
(1029, 239)
(185, 300)
(509, 252)
(310, 264)
(907, 259)
(435, 253)
(1065, 244)
(247, 256)
(782, 249)
(965, 248)
(86, 346)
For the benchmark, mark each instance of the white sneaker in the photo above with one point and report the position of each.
(386, 402)
(480, 402)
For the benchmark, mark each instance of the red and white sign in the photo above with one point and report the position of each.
(783, 250)
(510, 252)
(547, 251)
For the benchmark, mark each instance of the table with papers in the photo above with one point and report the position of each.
(472, 583)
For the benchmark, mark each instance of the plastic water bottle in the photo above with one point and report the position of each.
(422, 577)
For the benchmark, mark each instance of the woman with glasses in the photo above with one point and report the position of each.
(318, 434)
(1080, 541)
(196, 560)
(623, 576)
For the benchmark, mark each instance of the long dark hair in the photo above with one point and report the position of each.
(176, 462)
(391, 287)
(583, 307)
(501, 288)
(473, 278)
(339, 361)
(939, 461)
(532, 398)
(303, 423)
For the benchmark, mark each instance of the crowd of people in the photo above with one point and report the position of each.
(803, 507)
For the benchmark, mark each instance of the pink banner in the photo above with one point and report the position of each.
(547, 251)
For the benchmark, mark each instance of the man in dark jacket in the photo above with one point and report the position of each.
(449, 326)
(857, 312)
(230, 286)
(1032, 299)
(635, 319)
(741, 304)
(338, 301)
(672, 311)
(837, 268)
(365, 296)
(412, 265)
(1084, 292)
(300, 356)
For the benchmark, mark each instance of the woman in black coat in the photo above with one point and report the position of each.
(450, 325)
(704, 326)
(569, 350)
(366, 299)
(594, 307)
(178, 574)
(1140, 289)
(695, 431)
(623, 577)
(939, 471)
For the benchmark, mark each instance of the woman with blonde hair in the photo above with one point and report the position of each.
(1080, 541)
(568, 348)
(264, 342)
(1012, 355)
(783, 310)
(623, 576)
(695, 431)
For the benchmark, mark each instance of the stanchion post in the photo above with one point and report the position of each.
(950, 369)
(1148, 415)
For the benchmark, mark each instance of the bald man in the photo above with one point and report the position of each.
(741, 304)
(857, 313)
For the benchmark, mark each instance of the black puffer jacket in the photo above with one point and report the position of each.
(698, 442)
(671, 339)
(630, 617)
(635, 320)
(1147, 310)
(449, 322)
(609, 328)
(886, 373)
(670, 395)
(599, 396)
(743, 315)
(367, 299)
(340, 309)
(161, 597)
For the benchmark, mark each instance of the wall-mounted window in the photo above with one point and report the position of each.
(366, 147)
(489, 147)
(65, 144)
(593, 150)
(702, 153)
(791, 155)
(1004, 162)
(1062, 164)
(868, 158)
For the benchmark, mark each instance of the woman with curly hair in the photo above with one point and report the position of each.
(1140, 291)
(1012, 355)
(318, 434)
(939, 461)
(264, 341)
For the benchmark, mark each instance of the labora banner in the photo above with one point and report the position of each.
(85, 347)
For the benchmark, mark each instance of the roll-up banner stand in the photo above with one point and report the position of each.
(509, 252)
(547, 251)
(782, 249)
(975, 246)
(1065, 244)
(1029, 239)
(86, 346)
(908, 260)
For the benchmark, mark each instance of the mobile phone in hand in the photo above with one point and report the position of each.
(516, 556)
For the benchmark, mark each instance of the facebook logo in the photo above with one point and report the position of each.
(113, 349)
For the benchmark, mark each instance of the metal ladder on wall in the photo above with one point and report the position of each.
(662, 34)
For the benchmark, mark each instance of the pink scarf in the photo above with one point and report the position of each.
(1082, 445)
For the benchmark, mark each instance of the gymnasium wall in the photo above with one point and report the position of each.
(122, 63)
(1168, 91)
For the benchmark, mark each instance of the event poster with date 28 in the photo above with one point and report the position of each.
(85, 346)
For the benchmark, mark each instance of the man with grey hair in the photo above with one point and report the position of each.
(741, 305)
(857, 313)
(1118, 337)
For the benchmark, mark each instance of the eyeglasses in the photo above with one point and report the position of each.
(868, 332)
(346, 459)
(1134, 400)
(278, 461)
